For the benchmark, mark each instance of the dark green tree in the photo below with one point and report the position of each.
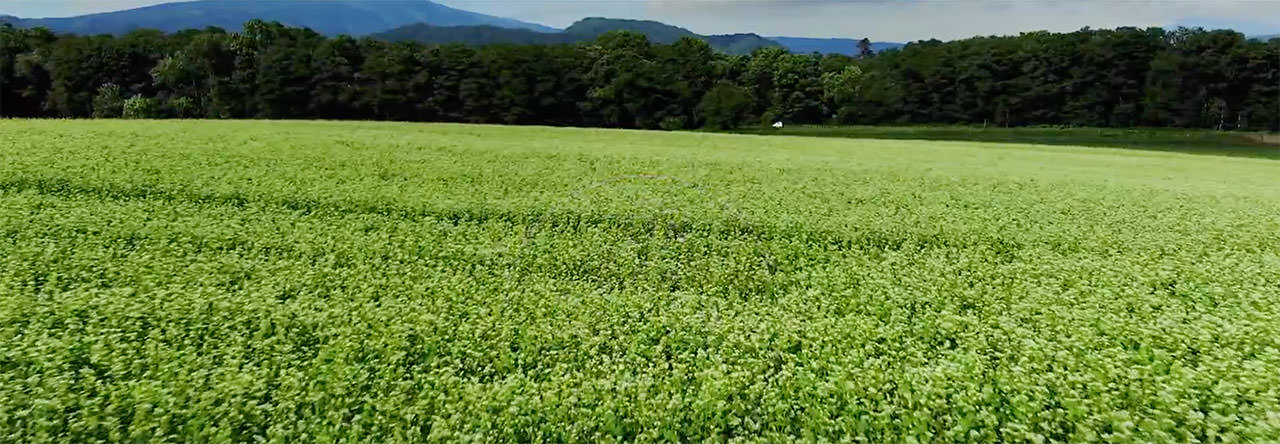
(864, 48)
(625, 89)
(725, 106)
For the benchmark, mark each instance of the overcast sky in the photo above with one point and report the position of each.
(885, 20)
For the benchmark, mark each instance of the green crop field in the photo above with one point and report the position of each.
(190, 281)
(1192, 141)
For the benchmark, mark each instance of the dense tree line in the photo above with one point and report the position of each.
(1122, 77)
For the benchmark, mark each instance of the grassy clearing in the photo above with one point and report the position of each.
(306, 281)
(1192, 141)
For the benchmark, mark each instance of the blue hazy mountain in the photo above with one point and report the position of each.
(803, 45)
(330, 17)
(420, 20)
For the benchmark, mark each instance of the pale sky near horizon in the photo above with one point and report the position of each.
(884, 20)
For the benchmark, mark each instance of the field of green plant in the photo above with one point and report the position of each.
(229, 281)
(1193, 141)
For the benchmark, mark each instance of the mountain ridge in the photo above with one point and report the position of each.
(849, 47)
(582, 31)
(329, 17)
(423, 21)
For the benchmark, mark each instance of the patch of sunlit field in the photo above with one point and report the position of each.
(390, 282)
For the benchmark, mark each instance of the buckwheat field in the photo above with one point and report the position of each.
(381, 282)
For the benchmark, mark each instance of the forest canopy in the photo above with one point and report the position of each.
(1107, 78)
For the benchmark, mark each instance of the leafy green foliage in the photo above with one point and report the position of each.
(139, 107)
(109, 102)
(841, 90)
(245, 281)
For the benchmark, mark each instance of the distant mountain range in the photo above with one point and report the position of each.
(413, 20)
(329, 17)
(584, 30)
(829, 46)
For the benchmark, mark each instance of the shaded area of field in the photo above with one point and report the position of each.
(267, 281)
(1194, 141)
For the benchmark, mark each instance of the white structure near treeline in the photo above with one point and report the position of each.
(777, 124)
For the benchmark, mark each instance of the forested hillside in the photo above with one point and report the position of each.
(1109, 78)
(584, 30)
(657, 32)
(592, 27)
(471, 35)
